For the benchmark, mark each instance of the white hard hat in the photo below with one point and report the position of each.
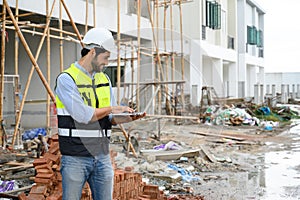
(99, 37)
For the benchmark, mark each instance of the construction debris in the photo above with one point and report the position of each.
(47, 180)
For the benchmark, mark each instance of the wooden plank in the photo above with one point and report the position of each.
(208, 154)
(171, 154)
(14, 169)
(172, 117)
(14, 163)
(218, 135)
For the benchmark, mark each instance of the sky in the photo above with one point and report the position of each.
(281, 35)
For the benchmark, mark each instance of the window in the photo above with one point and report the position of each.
(224, 22)
(259, 39)
(112, 73)
(213, 15)
(254, 36)
(251, 35)
(230, 42)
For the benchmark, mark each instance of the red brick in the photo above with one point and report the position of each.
(38, 189)
(43, 181)
(150, 188)
(54, 158)
(45, 175)
(40, 161)
(22, 196)
(54, 137)
(58, 176)
(44, 166)
(44, 171)
(54, 148)
(129, 168)
(36, 197)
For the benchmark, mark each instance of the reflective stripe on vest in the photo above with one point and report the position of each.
(84, 133)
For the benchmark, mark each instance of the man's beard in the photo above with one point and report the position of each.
(97, 68)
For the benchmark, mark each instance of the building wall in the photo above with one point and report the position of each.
(279, 78)
(249, 62)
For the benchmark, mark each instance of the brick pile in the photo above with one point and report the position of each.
(128, 185)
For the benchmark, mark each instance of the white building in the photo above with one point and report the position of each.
(221, 43)
(283, 82)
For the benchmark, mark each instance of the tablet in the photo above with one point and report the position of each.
(126, 114)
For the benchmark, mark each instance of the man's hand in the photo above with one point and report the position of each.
(138, 115)
(128, 115)
(121, 109)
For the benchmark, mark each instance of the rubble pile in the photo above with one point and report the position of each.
(261, 116)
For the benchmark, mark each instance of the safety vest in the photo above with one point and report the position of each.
(84, 139)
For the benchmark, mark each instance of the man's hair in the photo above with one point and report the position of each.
(98, 50)
(84, 51)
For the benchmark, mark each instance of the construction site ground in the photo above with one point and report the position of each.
(230, 162)
(192, 160)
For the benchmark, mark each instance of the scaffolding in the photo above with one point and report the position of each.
(172, 96)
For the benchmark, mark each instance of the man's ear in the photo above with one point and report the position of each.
(93, 51)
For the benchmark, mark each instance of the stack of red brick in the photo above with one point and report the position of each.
(128, 185)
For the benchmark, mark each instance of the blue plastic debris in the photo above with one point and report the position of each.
(33, 133)
(186, 175)
(268, 128)
(266, 110)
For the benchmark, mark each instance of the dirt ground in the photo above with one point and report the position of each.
(211, 162)
(235, 162)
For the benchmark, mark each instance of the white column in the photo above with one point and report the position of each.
(273, 90)
(293, 92)
(196, 65)
(298, 90)
(217, 78)
(262, 96)
(274, 101)
(232, 78)
(283, 93)
(256, 94)
(242, 85)
(251, 80)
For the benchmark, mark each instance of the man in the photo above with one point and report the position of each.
(85, 108)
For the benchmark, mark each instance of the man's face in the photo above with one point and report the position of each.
(100, 60)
